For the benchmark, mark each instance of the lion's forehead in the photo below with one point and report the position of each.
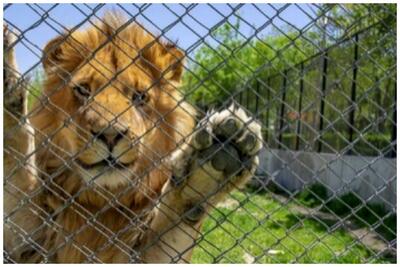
(121, 57)
(102, 71)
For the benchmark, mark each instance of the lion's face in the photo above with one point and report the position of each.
(114, 118)
(118, 98)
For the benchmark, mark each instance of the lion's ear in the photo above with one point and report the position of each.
(173, 62)
(166, 60)
(52, 53)
(61, 54)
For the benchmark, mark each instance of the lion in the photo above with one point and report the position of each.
(111, 166)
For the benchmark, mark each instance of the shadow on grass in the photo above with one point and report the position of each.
(353, 208)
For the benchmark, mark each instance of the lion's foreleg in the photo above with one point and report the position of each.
(220, 156)
(173, 230)
(20, 217)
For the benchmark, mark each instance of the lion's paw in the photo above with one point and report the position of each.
(220, 155)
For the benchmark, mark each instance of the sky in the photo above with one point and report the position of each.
(186, 24)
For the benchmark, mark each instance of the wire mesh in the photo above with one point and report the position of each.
(121, 146)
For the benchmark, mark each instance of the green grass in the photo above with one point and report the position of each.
(266, 230)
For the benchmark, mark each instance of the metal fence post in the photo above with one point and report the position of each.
(353, 95)
(282, 110)
(394, 128)
(248, 100)
(257, 94)
(298, 128)
(322, 106)
(268, 103)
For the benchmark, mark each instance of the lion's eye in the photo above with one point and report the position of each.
(139, 98)
(82, 90)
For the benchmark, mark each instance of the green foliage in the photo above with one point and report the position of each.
(35, 88)
(354, 17)
(370, 144)
(222, 70)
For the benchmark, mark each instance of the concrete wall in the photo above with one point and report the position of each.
(372, 178)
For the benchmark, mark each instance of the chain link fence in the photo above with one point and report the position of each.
(106, 120)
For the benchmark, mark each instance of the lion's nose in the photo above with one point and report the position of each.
(110, 138)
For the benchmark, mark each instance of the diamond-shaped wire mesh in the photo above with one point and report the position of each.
(265, 134)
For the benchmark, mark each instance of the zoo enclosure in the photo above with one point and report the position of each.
(320, 75)
(340, 98)
(289, 117)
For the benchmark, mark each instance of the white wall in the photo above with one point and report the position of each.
(372, 178)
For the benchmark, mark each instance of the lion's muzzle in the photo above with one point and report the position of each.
(110, 137)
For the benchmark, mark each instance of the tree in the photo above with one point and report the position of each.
(220, 71)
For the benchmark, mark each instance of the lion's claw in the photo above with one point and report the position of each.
(202, 139)
(194, 213)
(229, 127)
